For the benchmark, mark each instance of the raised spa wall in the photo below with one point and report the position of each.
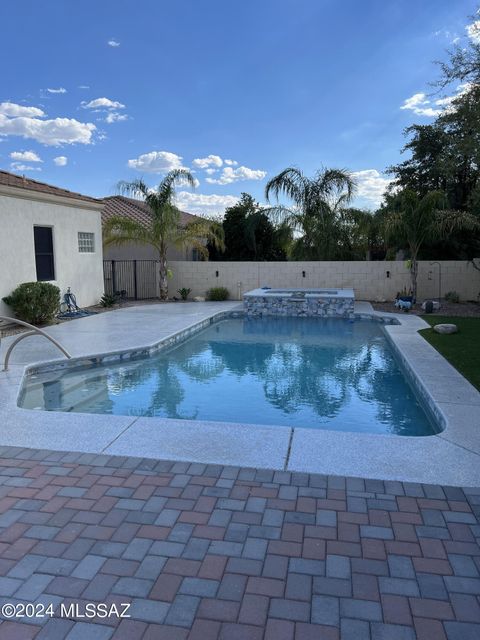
(325, 303)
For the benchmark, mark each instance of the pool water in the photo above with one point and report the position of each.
(300, 372)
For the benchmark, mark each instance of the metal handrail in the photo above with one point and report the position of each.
(32, 332)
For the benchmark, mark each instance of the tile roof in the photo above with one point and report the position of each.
(12, 180)
(135, 209)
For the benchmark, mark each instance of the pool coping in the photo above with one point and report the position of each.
(309, 292)
(449, 457)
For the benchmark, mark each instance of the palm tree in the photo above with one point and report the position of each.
(164, 228)
(317, 211)
(414, 220)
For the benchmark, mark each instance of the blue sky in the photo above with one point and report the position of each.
(97, 92)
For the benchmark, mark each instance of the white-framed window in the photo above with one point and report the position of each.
(86, 242)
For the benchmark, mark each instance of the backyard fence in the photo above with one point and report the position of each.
(370, 280)
(137, 278)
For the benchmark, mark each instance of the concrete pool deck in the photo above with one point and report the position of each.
(451, 457)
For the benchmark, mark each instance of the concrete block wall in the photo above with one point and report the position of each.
(369, 279)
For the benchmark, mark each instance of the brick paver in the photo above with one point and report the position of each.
(207, 552)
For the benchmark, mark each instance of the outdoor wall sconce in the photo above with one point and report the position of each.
(216, 274)
(303, 274)
(388, 274)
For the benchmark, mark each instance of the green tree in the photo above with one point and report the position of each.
(164, 228)
(415, 220)
(363, 235)
(445, 155)
(463, 61)
(249, 234)
(235, 228)
(316, 215)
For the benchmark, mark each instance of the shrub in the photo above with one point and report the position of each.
(452, 296)
(184, 292)
(35, 302)
(217, 294)
(108, 300)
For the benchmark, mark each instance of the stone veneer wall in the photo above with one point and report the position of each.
(368, 279)
(324, 307)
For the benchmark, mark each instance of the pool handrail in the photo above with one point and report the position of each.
(33, 331)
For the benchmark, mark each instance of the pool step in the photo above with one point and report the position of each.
(69, 395)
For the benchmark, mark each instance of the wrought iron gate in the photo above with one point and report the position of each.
(137, 278)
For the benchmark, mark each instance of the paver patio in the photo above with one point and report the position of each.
(204, 551)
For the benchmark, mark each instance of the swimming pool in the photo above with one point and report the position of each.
(299, 372)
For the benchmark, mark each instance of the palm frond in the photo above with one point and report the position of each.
(336, 185)
(122, 230)
(290, 182)
(135, 188)
(166, 189)
(394, 223)
(198, 233)
(283, 215)
(447, 222)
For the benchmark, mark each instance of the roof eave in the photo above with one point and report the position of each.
(42, 196)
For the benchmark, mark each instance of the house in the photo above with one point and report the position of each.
(49, 234)
(139, 211)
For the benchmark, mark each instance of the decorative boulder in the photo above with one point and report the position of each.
(199, 299)
(435, 305)
(445, 328)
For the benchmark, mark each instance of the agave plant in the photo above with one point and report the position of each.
(164, 228)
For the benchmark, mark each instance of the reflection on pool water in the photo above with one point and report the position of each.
(299, 372)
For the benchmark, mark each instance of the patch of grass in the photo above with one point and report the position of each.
(461, 349)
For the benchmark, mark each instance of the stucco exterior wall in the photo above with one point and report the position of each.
(368, 279)
(135, 251)
(83, 272)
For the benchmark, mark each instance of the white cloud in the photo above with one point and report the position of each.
(18, 166)
(371, 185)
(49, 132)
(28, 122)
(473, 31)
(113, 43)
(423, 106)
(25, 156)
(60, 161)
(209, 161)
(13, 110)
(415, 101)
(232, 163)
(59, 90)
(83, 86)
(199, 203)
(156, 162)
(418, 103)
(103, 103)
(230, 175)
(113, 116)
(211, 171)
